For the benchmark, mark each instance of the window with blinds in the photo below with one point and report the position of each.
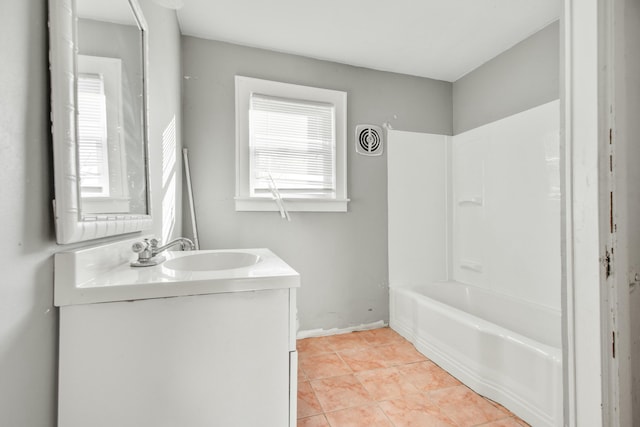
(92, 136)
(292, 146)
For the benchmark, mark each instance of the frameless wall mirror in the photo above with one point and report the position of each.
(98, 77)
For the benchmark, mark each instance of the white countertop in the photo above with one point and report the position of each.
(83, 277)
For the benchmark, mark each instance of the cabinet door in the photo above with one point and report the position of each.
(200, 361)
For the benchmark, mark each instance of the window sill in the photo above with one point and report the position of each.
(105, 205)
(291, 205)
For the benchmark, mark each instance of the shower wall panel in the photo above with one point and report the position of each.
(506, 206)
(417, 170)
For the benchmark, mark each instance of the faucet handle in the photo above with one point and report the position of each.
(138, 247)
(145, 245)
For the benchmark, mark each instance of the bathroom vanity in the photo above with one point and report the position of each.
(194, 341)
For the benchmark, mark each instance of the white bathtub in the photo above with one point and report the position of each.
(503, 348)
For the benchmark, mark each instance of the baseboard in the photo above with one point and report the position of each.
(336, 331)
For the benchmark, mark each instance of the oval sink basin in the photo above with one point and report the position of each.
(212, 261)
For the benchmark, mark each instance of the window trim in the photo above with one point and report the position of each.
(244, 87)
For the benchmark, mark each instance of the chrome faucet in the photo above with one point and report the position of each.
(148, 250)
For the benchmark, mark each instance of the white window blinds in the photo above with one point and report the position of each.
(92, 136)
(292, 142)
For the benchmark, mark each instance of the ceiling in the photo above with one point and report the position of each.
(440, 39)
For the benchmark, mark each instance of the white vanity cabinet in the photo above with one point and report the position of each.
(190, 342)
(224, 359)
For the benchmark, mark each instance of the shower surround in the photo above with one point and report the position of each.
(474, 256)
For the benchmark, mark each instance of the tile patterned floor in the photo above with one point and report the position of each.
(378, 379)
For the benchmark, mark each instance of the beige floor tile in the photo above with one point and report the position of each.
(400, 354)
(427, 376)
(340, 393)
(324, 366)
(415, 410)
(343, 376)
(385, 384)
(361, 416)
(312, 346)
(363, 359)
(505, 422)
(308, 404)
(465, 407)
(315, 421)
(382, 336)
(350, 341)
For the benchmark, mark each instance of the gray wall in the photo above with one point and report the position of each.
(28, 320)
(342, 257)
(523, 77)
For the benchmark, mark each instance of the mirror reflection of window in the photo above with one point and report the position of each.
(110, 44)
(93, 151)
(102, 152)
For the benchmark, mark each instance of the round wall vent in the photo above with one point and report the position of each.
(369, 140)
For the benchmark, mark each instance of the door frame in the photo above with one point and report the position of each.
(596, 379)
